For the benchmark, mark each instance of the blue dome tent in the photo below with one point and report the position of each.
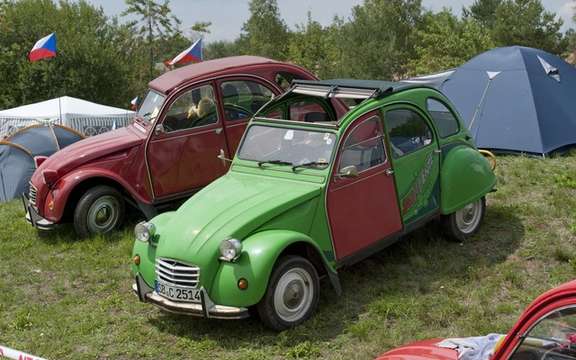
(516, 99)
(17, 154)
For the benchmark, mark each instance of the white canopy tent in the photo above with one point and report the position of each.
(84, 116)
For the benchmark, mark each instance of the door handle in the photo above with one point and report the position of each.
(218, 131)
(389, 172)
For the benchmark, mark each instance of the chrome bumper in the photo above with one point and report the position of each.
(206, 308)
(33, 218)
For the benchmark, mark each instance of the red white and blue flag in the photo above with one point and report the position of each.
(192, 54)
(44, 48)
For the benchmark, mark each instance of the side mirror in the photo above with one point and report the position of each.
(222, 156)
(348, 172)
(159, 129)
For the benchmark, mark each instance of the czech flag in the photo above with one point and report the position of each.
(192, 54)
(44, 48)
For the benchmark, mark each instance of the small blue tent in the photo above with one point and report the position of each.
(516, 99)
(17, 154)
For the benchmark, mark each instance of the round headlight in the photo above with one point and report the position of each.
(230, 249)
(144, 231)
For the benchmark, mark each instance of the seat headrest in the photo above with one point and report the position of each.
(229, 90)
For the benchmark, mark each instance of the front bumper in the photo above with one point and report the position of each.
(33, 218)
(206, 308)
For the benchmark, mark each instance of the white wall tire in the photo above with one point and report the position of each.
(292, 294)
(465, 222)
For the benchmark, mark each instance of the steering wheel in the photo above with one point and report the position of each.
(238, 108)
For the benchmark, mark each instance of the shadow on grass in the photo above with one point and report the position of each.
(65, 233)
(413, 267)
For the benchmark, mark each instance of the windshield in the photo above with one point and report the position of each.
(283, 146)
(151, 105)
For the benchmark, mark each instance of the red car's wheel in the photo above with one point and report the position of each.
(99, 211)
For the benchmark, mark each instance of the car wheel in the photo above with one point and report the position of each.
(99, 211)
(292, 294)
(465, 222)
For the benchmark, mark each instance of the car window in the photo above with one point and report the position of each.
(242, 98)
(291, 146)
(364, 146)
(443, 118)
(553, 337)
(150, 107)
(308, 111)
(194, 108)
(408, 131)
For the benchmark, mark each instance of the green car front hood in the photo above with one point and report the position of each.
(233, 206)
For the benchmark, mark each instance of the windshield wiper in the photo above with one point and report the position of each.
(274, 162)
(311, 163)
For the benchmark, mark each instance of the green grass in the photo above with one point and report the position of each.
(63, 298)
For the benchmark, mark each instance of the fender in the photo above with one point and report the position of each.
(466, 176)
(147, 251)
(259, 255)
(60, 193)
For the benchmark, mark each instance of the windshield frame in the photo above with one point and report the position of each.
(290, 125)
(150, 119)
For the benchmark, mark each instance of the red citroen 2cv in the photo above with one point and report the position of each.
(545, 331)
(189, 117)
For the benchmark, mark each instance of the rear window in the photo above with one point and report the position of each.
(443, 118)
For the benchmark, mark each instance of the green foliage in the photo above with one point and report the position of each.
(378, 41)
(95, 61)
(265, 33)
(445, 41)
(519, 22)
(156, 23)
(154, 19)
(220, 49)
(525, 22)
(483, 11)
(311, 47)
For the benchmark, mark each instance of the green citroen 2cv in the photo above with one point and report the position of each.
(309, 192)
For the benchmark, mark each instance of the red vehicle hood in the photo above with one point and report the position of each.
(91, 149)
(420, 350)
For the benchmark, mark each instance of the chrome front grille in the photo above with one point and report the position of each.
(32, 194)
(177, 273)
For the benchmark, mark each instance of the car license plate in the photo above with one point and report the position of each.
(177, 293)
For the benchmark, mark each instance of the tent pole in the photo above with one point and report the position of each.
(480, 104)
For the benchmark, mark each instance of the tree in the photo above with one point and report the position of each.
(445, 42)
(265, 33)
(155, 21)
(97, 59)
(483, 11)
(311, 48)
(378, 41)
(220, 49)
(525, 22)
